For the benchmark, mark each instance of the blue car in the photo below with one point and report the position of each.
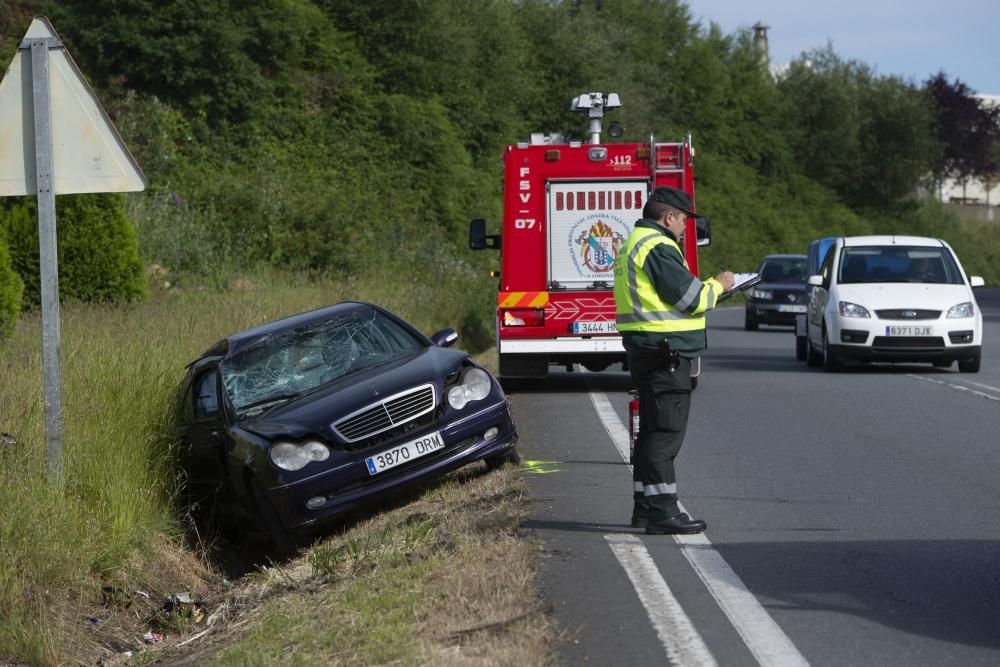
(291, 424)
(780, 294)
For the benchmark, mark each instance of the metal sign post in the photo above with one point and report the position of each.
(55, 138)
(47, 254)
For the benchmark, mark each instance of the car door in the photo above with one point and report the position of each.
(819, 296)
(201, 440)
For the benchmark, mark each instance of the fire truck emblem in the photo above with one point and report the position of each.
(599, 247)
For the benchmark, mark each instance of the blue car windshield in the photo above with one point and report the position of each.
(286, 364)
(899, 264)
(783, 270)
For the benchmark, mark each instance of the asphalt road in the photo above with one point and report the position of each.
(854, 518)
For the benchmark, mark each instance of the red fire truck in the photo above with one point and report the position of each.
(568, 208)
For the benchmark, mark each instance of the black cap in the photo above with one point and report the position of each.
(674, 198)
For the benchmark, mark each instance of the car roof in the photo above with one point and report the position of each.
(783, 256)
(235, 342)
(893, 239)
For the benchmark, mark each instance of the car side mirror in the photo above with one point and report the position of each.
(703, 231)
(815, 281)
(478, 238)
(976, 281)
(445, 337)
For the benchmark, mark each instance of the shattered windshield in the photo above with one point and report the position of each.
(286, 364)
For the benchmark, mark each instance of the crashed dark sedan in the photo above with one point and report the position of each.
(293, 423)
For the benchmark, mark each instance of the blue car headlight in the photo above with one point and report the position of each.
(475, 386)
(290, 456)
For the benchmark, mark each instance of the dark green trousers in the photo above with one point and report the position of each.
(664, 404)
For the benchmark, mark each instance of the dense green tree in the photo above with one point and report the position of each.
(334, 136)
(967, 128)
(11, 289)
(867, 137)
(98, 254)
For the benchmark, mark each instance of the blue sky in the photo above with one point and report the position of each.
(910, 38)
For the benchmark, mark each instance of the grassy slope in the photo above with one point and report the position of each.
(111, 524)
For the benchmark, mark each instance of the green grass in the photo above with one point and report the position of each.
(112, 515)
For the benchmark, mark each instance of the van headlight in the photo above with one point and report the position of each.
(289, 456)
(848, 309)
(475, 386)
(961, 310)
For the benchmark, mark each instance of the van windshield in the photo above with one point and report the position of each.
(899, 264)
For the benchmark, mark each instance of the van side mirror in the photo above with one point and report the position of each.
(815, 281)
(703, 230)
(479, 239)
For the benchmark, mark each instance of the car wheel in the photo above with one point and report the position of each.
(283, 543)
(971, 365)
(801, 348)
(830, 361)
(510, 456)
(694, 382)
(750, 322)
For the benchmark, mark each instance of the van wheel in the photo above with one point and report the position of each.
(801, 348)
(971, 365)
(830, 361)
(813, 358)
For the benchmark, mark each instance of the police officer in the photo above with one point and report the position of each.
(660, 311)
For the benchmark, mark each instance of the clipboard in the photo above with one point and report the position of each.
(748, 280)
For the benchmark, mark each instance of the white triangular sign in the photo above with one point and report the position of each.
(88, 155)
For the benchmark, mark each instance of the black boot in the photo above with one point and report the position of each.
(681, 524)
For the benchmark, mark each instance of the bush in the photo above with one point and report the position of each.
(11, 289)
(98, 251)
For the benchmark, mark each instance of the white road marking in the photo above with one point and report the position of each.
(678, 635)
(766, 640)
(960, 387)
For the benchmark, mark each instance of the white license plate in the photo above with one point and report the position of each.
(400, 454)
(798, 308)
(595, 328)
(907, 331)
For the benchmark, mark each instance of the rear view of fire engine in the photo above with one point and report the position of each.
(568, 208)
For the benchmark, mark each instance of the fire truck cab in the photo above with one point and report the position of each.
(568, 207)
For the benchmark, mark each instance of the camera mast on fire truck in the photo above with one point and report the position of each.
(568, 208)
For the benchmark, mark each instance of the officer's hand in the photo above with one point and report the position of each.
(727, 279)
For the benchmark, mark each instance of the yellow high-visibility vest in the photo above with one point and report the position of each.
(639, 307)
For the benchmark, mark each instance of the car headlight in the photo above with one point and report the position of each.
(289, 456)
(475, 386)
(961, 310)
(848, 309)
(763, 294)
